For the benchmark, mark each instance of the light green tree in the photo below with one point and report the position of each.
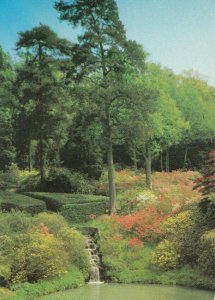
(155, 122)
(196, 100)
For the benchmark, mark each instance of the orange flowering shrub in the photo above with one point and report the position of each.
(174, 190)
(127, 178)
(43, 229)
(122, 257)
(134, 242)
(146, 210)
(144, 223)
(92, 216)
(124, 179)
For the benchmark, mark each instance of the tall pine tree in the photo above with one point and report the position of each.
(104, 52)
(42, 95)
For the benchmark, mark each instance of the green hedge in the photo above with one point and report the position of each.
(10, 200)
(77, 213)
(55, 201)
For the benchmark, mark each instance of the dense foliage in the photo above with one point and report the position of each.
(129, 260)
(173, 237)
(85, 118)
(10, 201)
(31, 247)
(66, 107)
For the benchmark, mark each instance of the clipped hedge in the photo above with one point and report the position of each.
(83, 212)
(55, 201)
(10, 200)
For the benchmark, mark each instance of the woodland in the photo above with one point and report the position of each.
(93, 134)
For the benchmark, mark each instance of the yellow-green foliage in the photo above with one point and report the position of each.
(177, 226)
(165, 256)
(4, 267)
(30, 251)
(209, 237)
(169, 251)
(43, 257)
(179, 230)
(73, 241)
(22, 175)
(207, 256)
(54, 222)
(14, 177)
(5, 293)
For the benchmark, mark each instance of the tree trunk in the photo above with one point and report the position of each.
(42, 162)
(185, 157)
(167, 160)
(134, 158)
(30, 156)
(161, 161)
(41, 140)
(148, 166)
(111, 181)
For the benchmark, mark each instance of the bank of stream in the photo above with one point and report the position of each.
(131, 291)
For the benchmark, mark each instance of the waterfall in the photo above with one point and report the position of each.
(94, 261)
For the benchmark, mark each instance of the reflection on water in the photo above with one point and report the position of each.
(131, 292)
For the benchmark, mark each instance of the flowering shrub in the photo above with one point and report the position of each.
(134, 199)
(144, 223)
(122, 257)
(134, 242)
(174, 190)
(171, 191)
(124, 179)
(92, 216)
(34, 248)
(73, 241)
(43, 229)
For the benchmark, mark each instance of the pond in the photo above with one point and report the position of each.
(131, 292)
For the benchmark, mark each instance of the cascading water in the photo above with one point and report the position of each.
(94, 261)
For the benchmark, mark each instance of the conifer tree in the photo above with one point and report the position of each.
(104, 51)
(42, 95)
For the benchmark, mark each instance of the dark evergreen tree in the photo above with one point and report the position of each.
(42, 96)
(206, 185)
(7, 105)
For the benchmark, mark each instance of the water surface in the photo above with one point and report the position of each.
(131, 292)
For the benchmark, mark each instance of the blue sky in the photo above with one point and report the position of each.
(179, 34)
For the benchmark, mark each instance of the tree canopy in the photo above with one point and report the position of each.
(98, 101)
